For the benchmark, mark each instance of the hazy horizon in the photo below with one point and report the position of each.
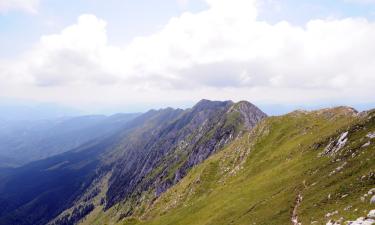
(14, 110)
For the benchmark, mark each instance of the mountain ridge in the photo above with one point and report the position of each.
(128, 161)
(239, 184)
(215, 163)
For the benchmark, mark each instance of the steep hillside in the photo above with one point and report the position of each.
(156, 155)
(143, 160)
(302, 168)
(178, 146)
(39, 191)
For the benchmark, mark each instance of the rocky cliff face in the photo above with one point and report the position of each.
(158, 152)
(174, 146)
(133, 167)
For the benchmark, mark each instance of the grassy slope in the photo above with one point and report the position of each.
(168, 166)
(257, 178)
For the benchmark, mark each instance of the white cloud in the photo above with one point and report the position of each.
(23, 5)
(75, 55)
(223, 52)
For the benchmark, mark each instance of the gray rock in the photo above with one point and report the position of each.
(336, 145)
(371, 135)
(371, 214)
(361, 221)
(372, 200)
(366, 144)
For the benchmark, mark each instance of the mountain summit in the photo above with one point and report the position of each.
(149, 155)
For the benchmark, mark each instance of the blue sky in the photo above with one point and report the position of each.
(123, 55)
(301, 11)
(127, 19)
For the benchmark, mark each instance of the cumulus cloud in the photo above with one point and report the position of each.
(223, 52)
(23, 5)
(75, 55)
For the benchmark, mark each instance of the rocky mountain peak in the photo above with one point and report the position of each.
(340, 110)
(329, 113)
(250, 114)
(205, 104)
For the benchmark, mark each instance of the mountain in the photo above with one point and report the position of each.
(301, 168)
(25, 141)
(176, 146)
(216, 163)
(149, 154)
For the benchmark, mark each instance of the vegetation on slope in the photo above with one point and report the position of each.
(281, 171)
(158, 153)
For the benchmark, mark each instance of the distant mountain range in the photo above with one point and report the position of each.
(18, 110)
(215, 163)
(24, 141)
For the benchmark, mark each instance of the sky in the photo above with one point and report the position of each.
(105, 56)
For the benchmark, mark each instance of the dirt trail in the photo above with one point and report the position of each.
(295, 214)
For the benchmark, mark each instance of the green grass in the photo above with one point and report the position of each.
(256, 179)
